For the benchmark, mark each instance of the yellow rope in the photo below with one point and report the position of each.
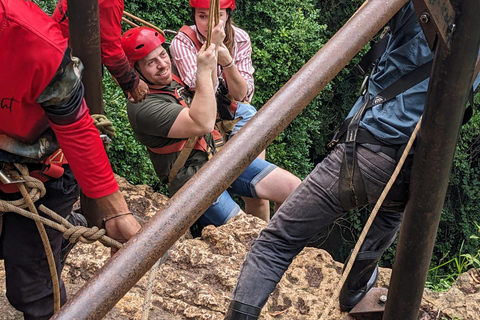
(72, 233)
(369, 222)
(45, 240)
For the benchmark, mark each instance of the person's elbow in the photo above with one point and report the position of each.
(204, 127)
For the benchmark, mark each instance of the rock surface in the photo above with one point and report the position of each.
(197, 279)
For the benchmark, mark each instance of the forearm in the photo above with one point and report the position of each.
(237, 86)
(203, 109)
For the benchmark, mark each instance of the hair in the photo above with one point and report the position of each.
(229, 40)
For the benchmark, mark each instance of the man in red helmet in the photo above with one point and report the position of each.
(170, 115)
(42, 109)
(113, 57)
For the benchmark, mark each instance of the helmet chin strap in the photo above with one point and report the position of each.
(142, 76)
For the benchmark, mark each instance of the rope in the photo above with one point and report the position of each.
(44, 237)
(213, 19)
(104, 125)
(131, 16)
(151, 280)
(369, 222)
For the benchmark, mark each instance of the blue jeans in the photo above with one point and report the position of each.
(313, 206)
(224, 208)
(246, 111)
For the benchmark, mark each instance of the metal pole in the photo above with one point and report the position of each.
(120, 273)
(84, 28)
(446, 98)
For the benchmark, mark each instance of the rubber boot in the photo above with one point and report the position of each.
(241, 311)
(76, 219)
(362, 277)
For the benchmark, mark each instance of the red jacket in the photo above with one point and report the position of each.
(113, 56)
(32, 50)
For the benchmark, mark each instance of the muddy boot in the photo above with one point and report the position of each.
(362, 277)
(241, 311)
(76, 219)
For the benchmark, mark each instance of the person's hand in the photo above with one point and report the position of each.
(121, 225)
(139, 93)
(224, 57)
(121, 229)
(218, 34)
(206, 60)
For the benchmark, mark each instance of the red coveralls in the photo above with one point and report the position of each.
(32, 50)
(113, 57)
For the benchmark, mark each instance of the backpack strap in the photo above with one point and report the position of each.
(192, 35)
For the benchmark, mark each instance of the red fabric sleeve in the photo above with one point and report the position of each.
(113, 56)
(86, 155)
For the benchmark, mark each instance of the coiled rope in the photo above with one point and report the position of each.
(32, 190)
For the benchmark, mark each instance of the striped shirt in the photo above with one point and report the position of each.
(184, 57)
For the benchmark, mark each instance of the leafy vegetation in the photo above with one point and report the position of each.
(285, 34)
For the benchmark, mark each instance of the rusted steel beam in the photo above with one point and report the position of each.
(446, 98)
(84, 28)
(120, 273)
(440, 17)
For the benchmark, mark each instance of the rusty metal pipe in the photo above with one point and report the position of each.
(446, 98)
(84, 29)
(120, 273)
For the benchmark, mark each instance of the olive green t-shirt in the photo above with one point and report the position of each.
(151, 121)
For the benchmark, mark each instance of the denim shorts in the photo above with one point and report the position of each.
(224, 208)
(246, 111)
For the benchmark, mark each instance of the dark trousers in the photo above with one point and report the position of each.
(313, 206)
(28, 279)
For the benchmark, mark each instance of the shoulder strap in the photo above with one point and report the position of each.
(372, 55)
(191, 34)
(175, 94)
(182, 158)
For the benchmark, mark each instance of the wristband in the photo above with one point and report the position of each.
(229, 65)
(118, 215)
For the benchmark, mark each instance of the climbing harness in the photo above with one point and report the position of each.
(185, 146)
(369, 222)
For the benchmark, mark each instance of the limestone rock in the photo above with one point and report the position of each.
(197, 279)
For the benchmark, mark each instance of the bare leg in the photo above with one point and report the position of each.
(258, 207)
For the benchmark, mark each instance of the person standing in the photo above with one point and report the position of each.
(45, 119)
(326, 193)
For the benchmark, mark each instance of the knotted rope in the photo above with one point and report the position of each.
(32, 190)
(104, 125)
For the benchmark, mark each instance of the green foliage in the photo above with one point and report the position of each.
(46, 5)
(171, 14)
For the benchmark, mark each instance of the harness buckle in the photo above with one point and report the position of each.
(364, 87)
(10, 175)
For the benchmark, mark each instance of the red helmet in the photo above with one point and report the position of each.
(224, 4)
(140, 41)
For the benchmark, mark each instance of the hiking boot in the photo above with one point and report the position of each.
(76, 219)
(241, 311)
(362, 277)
